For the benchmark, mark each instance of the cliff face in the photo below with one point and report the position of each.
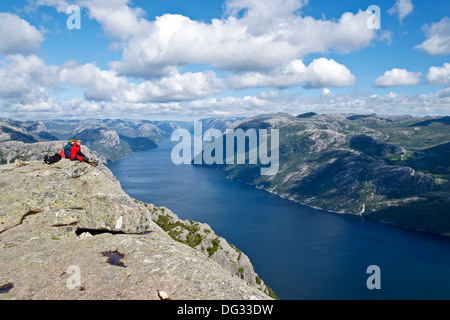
(201, 237)
(72, 217)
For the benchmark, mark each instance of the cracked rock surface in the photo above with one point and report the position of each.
(57, 222)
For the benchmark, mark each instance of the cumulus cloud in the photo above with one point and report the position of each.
(320, 73)
(24, 79)
(262, 43)
(268, 102)
(252, 36)
(118, 20)
(60, 5)
(260, 16)
(439, 75)
(24, 75)
(323, 72)
(260, 8)
(17, 36)
(438, 38)
(398, 77)
(420, 105)
(402, 9)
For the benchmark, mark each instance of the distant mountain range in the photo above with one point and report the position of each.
(394, 169)
(109, 140)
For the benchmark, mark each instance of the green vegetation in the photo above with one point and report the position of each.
(174, 230)
(271, 293)
(215, 246)
(428, 214)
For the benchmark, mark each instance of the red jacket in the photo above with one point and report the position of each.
(75, 153)
(65, 153)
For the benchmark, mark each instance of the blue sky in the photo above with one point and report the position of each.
(185, 60)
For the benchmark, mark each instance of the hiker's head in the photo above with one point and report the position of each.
(72, 140)
(78, 142)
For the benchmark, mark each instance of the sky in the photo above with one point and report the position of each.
(188, 60)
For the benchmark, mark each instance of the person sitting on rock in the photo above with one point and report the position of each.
(65, 153)
(77, 155)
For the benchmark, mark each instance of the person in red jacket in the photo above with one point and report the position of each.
(65, 153)
(77, 155)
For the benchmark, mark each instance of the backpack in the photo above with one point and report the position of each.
(53, 159)
(67, 150)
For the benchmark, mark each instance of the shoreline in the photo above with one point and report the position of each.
(285, 197)
(339, 213)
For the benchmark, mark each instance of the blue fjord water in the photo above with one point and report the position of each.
(300, 252)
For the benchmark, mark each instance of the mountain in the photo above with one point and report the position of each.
(69, 232)
(394, 169)
(221, 124)
(110, 140)
(10, 132)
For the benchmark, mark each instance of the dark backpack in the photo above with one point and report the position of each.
(53, 159)
(67, 149)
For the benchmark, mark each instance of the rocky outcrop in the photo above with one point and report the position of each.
(15, 150)
(69, 231)
(373, 148)
(201, 237)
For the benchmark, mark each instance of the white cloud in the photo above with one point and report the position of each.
(176, 87)
(17, 36)
(438, 38)
(320, 73)
(260, 8)
(262, 43)
(323, 72)
(439, 75)
(60, 5)
(270, 102)
(23, 76)
(260, 16)
(402, 8)
(326, 92)
(118, 20)
(398, 77)
(268, 35)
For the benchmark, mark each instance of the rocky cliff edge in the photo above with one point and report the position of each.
(69, 232)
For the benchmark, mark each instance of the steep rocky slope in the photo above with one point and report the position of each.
(72, 216)
(201, 237)
(394, 169)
